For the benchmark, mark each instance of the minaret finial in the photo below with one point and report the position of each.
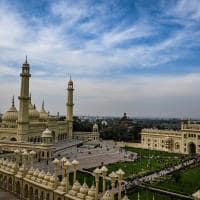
(13, 101)
(43, 104)
(26, 62)
(70, 77)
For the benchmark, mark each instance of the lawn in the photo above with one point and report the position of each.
(148, 195)
(187, 182)
(147, 152)
(148, 161)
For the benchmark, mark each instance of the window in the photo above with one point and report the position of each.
(185, 135)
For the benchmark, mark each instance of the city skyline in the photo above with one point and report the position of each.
(137, 57)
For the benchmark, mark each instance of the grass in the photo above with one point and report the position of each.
(148, 195)
(187, 183)
(148, 161)
(147, 152)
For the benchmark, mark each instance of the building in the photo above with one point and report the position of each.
(185, 141)
(88, 136)
(23, 180)
(28, 123)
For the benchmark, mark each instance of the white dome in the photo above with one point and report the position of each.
(11, 115)
(46, 133)
(43, 113)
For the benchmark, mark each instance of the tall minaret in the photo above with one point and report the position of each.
(70, 105)
(23, 119)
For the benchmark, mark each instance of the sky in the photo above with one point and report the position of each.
(136, 56)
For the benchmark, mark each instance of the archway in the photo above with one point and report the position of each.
(192, 148)
(18, 188)
(53, 136)
(42, 195)
(10, 184)
(31, 193)
(26, 191)
(13, 139)
(36, 194)
(5, 182)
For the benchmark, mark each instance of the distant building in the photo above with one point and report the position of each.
(186, 141)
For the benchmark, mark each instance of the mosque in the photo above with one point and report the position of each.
(30, 129)
(28, 123)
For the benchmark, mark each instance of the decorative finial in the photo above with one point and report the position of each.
(43, 104)
(34, 106)
(70, 78)
(13, 101)
(26, 62)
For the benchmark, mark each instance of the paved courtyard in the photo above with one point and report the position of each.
(6, 195)
(88, 157)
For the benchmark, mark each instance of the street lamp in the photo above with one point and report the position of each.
(113, 177)
(32, 154)
(104, 171)
(97, 173)
(75, 165)
(120, 175)
(67, 165)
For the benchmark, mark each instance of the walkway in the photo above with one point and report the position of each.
(166, 192)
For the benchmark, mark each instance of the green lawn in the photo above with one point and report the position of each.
(142, 165)
(148, 195)
(147, 152)
(187, 183)
(148, 161)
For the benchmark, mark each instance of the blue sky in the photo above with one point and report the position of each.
(138, 56)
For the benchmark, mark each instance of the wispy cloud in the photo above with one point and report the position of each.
(102, 40)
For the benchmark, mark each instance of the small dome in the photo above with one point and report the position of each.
(33, 113)
(104, 123)
(107, 195)
(92, 191)
(84, 188)
(46, 133)
(43, 113)
(11, 115)
(76, 186)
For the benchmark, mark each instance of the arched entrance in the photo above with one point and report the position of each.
(192, 148)
(13, 139)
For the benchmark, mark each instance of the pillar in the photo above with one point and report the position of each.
(23, 118)
(75, 164)
(113, 177)
(70, 105)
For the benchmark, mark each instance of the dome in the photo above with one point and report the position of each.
(104, 123)
(46, 133)
(43, 113)
(33, 113)
(76, 186)
(12, 114)
(92, 191)
(107, 195)
(84, 188)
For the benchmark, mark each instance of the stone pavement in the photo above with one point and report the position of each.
(6, 195)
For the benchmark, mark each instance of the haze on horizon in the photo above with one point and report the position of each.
(134, 56)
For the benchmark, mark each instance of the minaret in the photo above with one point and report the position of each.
(23, 119)
(70, 105)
